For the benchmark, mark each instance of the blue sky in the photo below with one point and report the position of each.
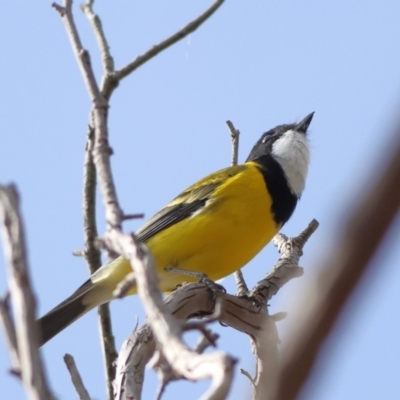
(258, 64)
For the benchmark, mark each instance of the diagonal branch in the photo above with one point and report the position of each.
(112, 80)
(97, 26)
(76, 377)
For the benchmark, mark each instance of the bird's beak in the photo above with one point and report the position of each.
(303, 125)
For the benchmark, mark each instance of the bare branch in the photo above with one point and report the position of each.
(127, 283)
(135, 353)
(286, 268)
(247, 374)
(9, 334)
(235, 133)
(101, 149)
(106, 57)
(242, 288)
(23, 300)
(244, 314)
(354, 249)
(97, 152)
(112, 80)
(91, 253)
(217, 366)
(93, 259)
(76, 377)
(206, 341)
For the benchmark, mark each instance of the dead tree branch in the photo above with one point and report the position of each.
(241, 285)
(97, 159)
(247, 314)
(76, 377)
(22, 298)
(186, 363)
(102, 42)
(9, 334)
(93, 259)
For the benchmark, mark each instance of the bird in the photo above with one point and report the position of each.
(214, 227)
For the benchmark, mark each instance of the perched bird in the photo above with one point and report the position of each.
(214, 227)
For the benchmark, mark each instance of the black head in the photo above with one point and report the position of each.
(265, 143)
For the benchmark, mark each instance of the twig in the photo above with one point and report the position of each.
(205, 342)
(112, 81)
(76, 377)
(286, 268)
(97, 143)
(93, 259)
(235, 133)
(101, 149)
(23, 300)
(9, 334)
(127, 283)
(242, 288)
(92, 253)
(247, 374)
(95, 21)
(357, 244)
(133, 216)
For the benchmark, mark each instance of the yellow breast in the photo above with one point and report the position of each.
(226, 234)
(233, 226)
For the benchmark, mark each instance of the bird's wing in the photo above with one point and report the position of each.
(188, 202)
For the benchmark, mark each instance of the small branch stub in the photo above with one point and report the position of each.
(76, 378)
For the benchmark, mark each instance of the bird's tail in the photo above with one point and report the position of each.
(66, 312)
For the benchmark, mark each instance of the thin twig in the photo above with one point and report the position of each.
(92, 253)
(76, 377)
(205, 341)
(93, 258)
(97, 26)
(247, 374)
(22, 298)
(96, 145)
(9, 334)
(101, 149)
(242, 288)
(112, 81)
(127, 283)
(286, 268)
(357, 244)
(235, 134)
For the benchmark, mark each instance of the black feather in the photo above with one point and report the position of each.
(64, 314)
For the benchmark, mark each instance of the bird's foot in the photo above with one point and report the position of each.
(211, 285)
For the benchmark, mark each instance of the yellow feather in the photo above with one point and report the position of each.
(233, 226)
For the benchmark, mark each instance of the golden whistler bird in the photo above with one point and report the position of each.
(214, 227)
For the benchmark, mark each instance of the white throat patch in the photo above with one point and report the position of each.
(291, 151)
